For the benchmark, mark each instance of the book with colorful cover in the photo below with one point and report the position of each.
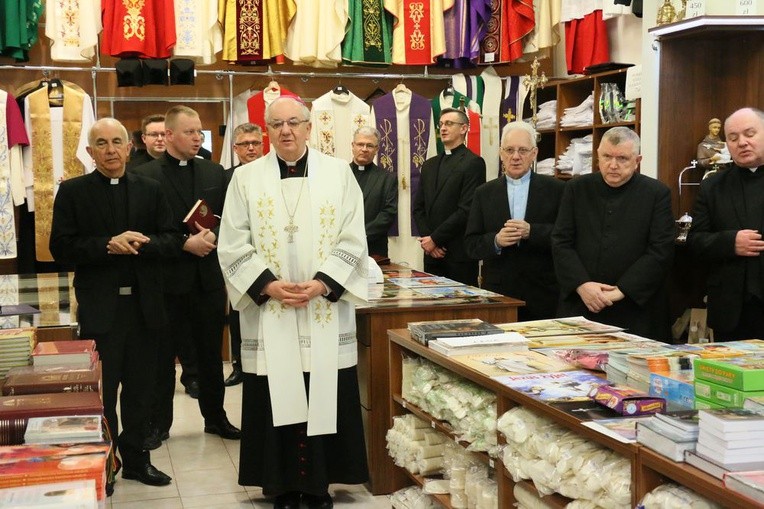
(750, 484)
(81, 352)
(25, 381)
(676, 388)
(423, 282)
(512, 363)
(451, 292)
(63, 429)
(424, 331)
(623, 429)
(402, 273)
(558, 327)
(743, 373)
(41, 405)
(59, 495)
(554, 387)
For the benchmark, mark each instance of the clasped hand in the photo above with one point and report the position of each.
(429, 247)
(513, 231)
(294, 294)
(598, 296)
(201, 243)
(126, 243)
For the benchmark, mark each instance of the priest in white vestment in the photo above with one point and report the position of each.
(293, 252)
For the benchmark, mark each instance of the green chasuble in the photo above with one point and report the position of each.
(18, 27)
(369, 34)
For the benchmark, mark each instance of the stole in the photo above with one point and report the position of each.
(420, 117)
(42, 163)
(7, 224)
(369, 36)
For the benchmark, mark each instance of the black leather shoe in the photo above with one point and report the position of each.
(147, 474)
(289, 500)
(192, 389)
(154, 439)
(318, 501)
(235, 377)
(223, 429)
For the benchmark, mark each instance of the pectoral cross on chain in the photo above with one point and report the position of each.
(291, 229)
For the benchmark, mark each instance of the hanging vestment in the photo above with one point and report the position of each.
(256, 107)
(511, 20)
(405, 123)
(20, 22)
(546, 33)
(254, 30)
(237, 115)
(369, 36)
(486, 91)
(457, 100)
(316, 32)
(418, 36)
(586, 38)
(138, 28)
(335, 118)
(198, 33)
(73, 27)
(57, 151)
(465, 25)
(12, 136)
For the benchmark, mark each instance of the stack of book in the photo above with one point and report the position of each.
(423, 332)
(46, 379)
(471, 345)
(80, 353)
(63, 429)
(15, 348)
(670, 434)
(749, 484)
(726, 383)
(731, 435)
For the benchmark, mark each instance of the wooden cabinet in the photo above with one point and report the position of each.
(570, 93)
(648, 469)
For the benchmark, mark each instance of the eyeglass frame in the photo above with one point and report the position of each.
(292, 123)
(449, 123)
(523, 151)
(369, 146)
(247, 144)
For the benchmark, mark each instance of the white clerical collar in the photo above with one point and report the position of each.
(361, 168)
(182, 162)
(753, 170)
(114, 182)
(448, 152)
(522, 180)
(293, 163)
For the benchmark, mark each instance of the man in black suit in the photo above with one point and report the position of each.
(152, 135)
(443, 201)
(613, 242)
(728, 219)
(380, 190)
(194, 287)
(248, 146)
(510, 227)
(117, 229)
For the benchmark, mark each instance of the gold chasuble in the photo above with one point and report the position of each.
(254, 29)
(42, 157)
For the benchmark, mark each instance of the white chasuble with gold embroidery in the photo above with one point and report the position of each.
(282, 342)
(335, 118)
(73, 27)
(316, 32)
(7, 223)
(197, 31)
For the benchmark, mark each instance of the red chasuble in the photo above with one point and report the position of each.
(138, 28)
(586, 42)
(510, 21)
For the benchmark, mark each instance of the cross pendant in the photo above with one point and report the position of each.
(291, 229)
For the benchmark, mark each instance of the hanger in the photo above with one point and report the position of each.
(400, 88)
(378, 92)
(449, 90)
(55, 92)
(273, 86)
(341, 89)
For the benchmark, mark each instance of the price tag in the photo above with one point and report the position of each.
(746, 7)
(695, 8)
(404, 404)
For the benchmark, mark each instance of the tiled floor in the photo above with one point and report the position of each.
(204, 469)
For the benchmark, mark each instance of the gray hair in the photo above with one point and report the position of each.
(621, 134)
(304, 111)
(247, 128)
(367, 131)
(519, 125)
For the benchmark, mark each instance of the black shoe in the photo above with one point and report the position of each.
(109, 488)
(235, 377)
(192, 389)
(147, 474)
(154, 439)
(289, 500)
(223, 429)
(318, 501)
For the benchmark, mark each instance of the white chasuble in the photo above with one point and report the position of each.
(316, 32)
(323, 217)
(7, 223)
(198, 34)
(73, 27)
(335, 118)
(546, 32)
(237, 115)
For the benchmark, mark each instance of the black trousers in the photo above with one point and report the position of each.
(463, 271)
(234, 330)
(200, 317)
(750, 325)
(128, 358)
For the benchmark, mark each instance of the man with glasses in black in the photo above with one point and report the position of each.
(380, 190)
(613, 242)
(248, 146)
(510, 227)
(152, 134)
(444, 198)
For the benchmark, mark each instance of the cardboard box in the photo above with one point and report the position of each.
(627, 401)
(677, 389)
(722, 394)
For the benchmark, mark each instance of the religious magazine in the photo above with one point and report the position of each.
(553, 387)
(558, 327)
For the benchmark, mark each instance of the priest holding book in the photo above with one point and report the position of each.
(116, 229)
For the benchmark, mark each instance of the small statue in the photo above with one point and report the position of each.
(684, 223)
(666, 13)
(682, 12)
(712, 151)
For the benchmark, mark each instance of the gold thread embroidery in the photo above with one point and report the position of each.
(386, 146)
(250, 27)
(133, 22)
(372, 30)
(420, 147)
(417, 36)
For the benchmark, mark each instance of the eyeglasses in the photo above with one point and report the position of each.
(619, 160)
(155, 135)
(449, 123)
(370, 146)
(523, 151)
(293, 123)
(247, 144)
(192, 132)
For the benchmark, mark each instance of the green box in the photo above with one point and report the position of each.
(704, 404)
(743, 373)
(721, 394)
